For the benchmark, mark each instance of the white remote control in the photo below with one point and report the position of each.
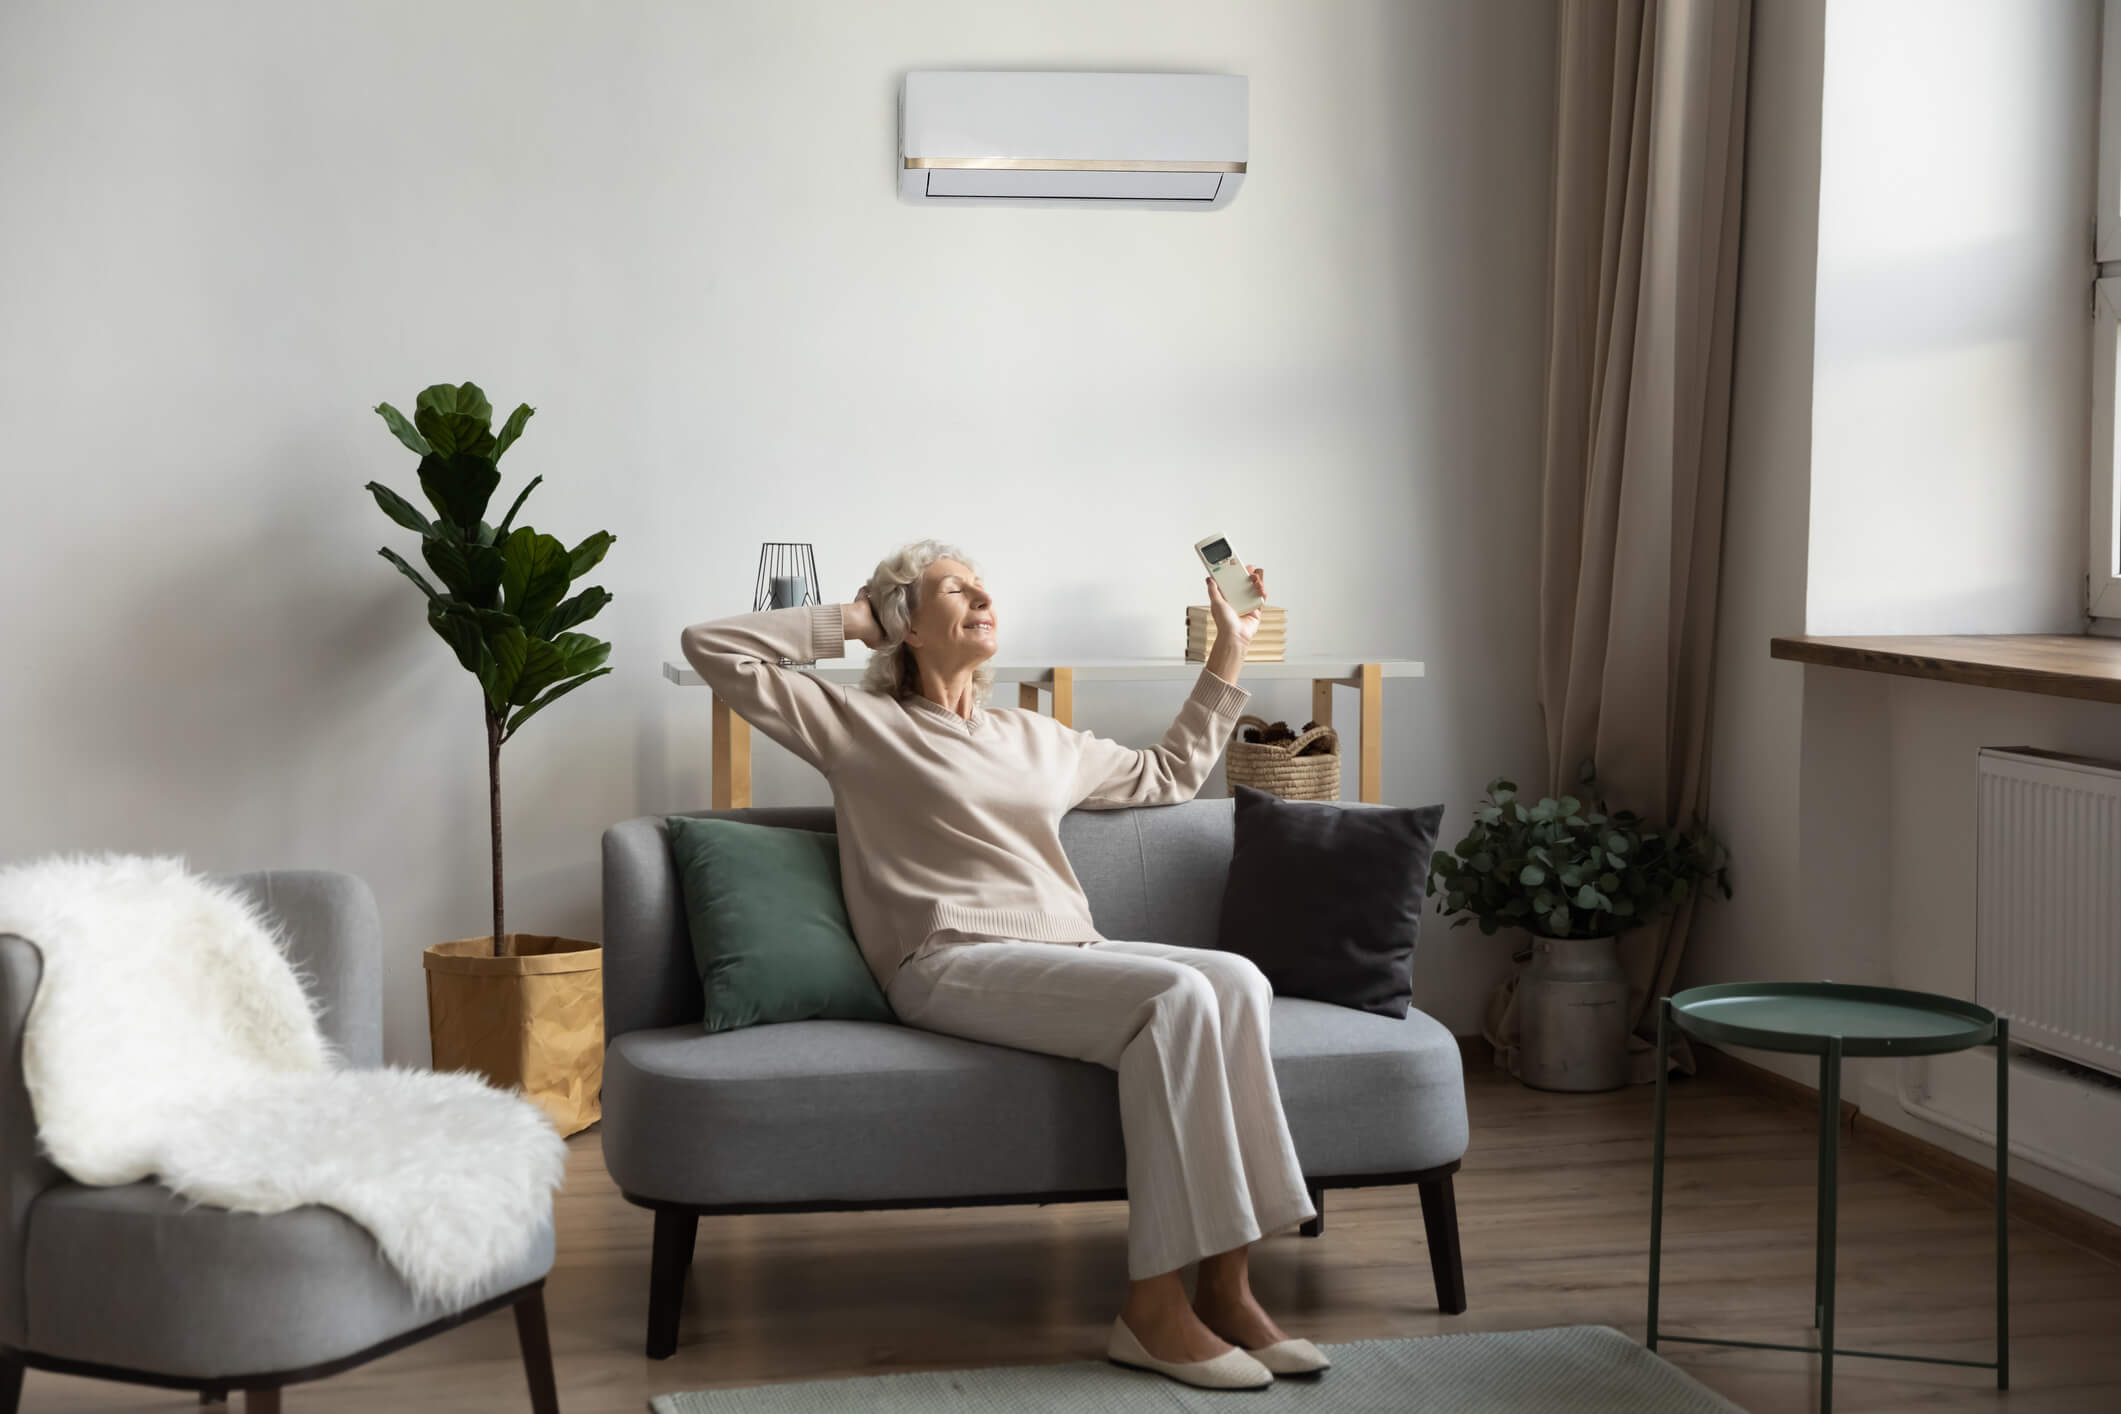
(1229, 573)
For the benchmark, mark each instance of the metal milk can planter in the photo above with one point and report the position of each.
(1572, 1009)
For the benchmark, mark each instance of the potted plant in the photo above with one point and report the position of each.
(1574, 876)
(522, 1009)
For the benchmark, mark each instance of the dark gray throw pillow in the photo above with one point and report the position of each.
(1326, 898)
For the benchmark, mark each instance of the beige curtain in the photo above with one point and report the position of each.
(1649, 156)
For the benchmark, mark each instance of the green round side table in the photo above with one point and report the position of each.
(1830, 1020)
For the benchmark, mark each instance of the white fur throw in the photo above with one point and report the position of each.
(172, 1039)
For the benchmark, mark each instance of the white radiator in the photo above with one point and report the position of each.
(2048, 902)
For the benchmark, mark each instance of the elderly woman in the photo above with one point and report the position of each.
(968, 913)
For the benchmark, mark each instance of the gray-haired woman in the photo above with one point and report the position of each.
(968, 913)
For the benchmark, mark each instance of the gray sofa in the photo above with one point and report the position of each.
(133, 1283)
(811, 1116)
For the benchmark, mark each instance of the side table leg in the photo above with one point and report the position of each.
(2003, 1204)
(732, 760)
(1829, 1186)
(1664, 1026)
(1027, 696)
(1827, 1120)
(1372, 682)
(1064, 696)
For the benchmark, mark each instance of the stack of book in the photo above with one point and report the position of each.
(1267, 645)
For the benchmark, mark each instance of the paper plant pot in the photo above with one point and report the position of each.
(532, 1021)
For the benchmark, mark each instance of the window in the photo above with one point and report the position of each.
(2104, 581)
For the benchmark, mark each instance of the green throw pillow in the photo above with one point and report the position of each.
(769, 929)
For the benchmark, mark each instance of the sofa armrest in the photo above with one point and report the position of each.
(24, 1171)
(335, 939)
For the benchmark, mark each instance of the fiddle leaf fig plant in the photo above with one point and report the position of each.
(504, 608)
(1569, 867)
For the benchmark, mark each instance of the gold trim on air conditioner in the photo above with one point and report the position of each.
(1062, 164)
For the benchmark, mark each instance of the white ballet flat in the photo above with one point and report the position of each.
(1233, 1369)
(1291, 1357)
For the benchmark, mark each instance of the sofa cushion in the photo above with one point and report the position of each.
(768, 925)
(872, 1112)
(1327, 899)
(135, 1277)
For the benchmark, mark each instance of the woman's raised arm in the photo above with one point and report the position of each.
(740, 658)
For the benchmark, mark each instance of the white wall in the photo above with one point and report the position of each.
(231, 229)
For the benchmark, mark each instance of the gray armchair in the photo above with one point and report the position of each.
(131, 1283)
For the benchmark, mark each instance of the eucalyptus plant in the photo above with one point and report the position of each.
(504, 608)
(1569, 867)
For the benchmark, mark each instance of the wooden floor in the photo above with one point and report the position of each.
(1554, 1203)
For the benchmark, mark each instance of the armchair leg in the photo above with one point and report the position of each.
(1439, 1217)
(1312, 1227)
(10, 1384)
(675, 1231)
(537, 1352)
(261, 1401)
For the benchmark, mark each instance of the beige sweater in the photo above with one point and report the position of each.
(948, 824)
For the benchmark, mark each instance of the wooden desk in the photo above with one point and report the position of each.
(732, 734)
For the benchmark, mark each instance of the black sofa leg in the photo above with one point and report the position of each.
(1312, 1227)
(10, 1384)
(1439, 1216)
(675, 1230)
(536, 1342)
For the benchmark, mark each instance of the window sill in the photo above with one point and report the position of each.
(2050, 664)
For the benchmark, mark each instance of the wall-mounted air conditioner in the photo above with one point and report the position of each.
(1175, 141)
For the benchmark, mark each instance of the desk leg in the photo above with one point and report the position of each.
(1064, 696)
(732, 760)
(1027, 696)
(1322, 701)
(1372, 683)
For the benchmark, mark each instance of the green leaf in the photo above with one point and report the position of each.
(1587, 772)
(456, 435)
(580, 609)
(534, 575)
(547, 700)
(1523, 816)
(1483, 863)
(1587, 897)
(404, 431)
(1505, 795)
(1558, 921)
(499, 671)
(585, 557)
(543, 665)
(521, 496)
(466, 399)
(1609, 883)
(456, 422)
(459, 628)
(472, 572)
(459, 487)
(1531, 876)
(512, 429)
(1617, 843)
(409, 572)
(399, 509)
(580, 652)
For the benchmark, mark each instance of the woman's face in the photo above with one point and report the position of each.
(953, 619)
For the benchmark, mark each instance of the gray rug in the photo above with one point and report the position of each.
(1577, 1369)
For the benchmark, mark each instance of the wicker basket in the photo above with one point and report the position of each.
(1275, 766)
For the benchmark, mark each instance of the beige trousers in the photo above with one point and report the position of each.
(1210, 1165)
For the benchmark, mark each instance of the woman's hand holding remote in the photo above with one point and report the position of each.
(1233, 631)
